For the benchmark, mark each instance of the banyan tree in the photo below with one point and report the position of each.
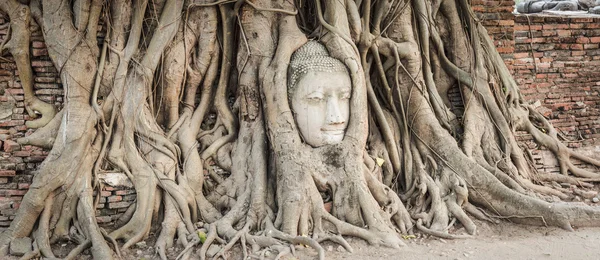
(269, 123)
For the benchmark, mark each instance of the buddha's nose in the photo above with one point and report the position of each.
(334, 115)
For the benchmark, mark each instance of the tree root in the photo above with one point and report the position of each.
(31, 255)
(41, 234)
(549, 139)
(44, 137)
(438, 233)
(79, 249)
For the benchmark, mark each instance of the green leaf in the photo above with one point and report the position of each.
(379, 161)
(202, 236)
(407, 237)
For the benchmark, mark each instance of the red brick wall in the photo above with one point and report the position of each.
(498, 19)
(554, 59)
(557, 61)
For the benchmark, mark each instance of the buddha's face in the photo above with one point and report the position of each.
(321, 104)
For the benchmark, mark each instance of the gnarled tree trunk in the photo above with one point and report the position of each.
(181, 88)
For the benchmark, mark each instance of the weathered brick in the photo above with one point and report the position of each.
(114, 198)
(117, 205)
(38, 45)
(22, 153)
(7, 173)
(129, 197)
(35, 159)
(45, 86)
(583, 40)
(563, 33)
(124, 192)
(10, 145)
(49, 91)
(9, 123)
(576, 46)
(41, 63)
(103, 219)
(44, 80)
(14, 192)
(39, 52)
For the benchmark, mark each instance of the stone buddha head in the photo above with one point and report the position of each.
(319, 89)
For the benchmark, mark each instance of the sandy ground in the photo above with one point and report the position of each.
(494, 241)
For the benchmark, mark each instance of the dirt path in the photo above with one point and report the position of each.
(502, 241)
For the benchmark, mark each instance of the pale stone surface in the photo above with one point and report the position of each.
(596, 9)
(20, 246)
(115, 179)
(6, 108)
(537, 6)
(321, 104)
(212, 250)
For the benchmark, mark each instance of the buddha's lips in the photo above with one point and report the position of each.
(333, 131)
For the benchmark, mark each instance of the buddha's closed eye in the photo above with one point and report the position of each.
(315, 96)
